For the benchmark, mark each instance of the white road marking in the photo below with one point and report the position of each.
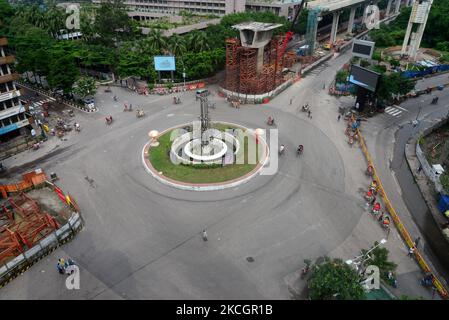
(393, 111)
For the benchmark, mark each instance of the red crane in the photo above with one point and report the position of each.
(289, 34)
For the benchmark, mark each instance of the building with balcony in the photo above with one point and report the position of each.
(12, 114)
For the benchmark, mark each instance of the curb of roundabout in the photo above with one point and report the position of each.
(203, 186)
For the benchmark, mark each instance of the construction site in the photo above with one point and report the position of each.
(256, 66)
(35, 218)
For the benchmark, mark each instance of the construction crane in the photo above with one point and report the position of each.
(289, 34)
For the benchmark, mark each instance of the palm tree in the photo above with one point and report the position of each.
(156, 40)
(198, 41)
(54, 20)
(176, 45)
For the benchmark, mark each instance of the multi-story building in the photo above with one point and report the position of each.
(12, 113)
(284, 8)
(150, 9)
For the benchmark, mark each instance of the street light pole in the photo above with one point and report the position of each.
(184, 75)
(349, 262)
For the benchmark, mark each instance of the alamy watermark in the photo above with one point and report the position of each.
(372, 17)
(73, 279)
(72, 21)
(248, 146)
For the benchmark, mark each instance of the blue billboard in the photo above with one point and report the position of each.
(164, 63)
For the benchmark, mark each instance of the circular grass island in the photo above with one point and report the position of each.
(238, 166)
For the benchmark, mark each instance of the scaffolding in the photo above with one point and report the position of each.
(248, 70)
(232, 64)
(22, 226)
(242, 74)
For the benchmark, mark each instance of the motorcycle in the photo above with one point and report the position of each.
(299, 150)
(270, 121)
(305, 108)
(434, 100)
(140, 113)
(109, 120)
(77, 127)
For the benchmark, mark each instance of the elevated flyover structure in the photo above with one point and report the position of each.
(320, 8)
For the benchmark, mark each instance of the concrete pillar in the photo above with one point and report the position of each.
(336, 17)
(351, 19)
(406, 38)
(364, 12)
(388, 10)
(398, 6)
(260, 53)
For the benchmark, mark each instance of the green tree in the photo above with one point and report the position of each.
(176, 45)
(110, 24)
(197, 41)
(156, 41)
(341, 76)
(63, 72)
(85, 86)
(393, 83)
(379, 257)
(334, 279)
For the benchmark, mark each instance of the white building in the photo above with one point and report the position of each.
(12, 113)
(150, 9)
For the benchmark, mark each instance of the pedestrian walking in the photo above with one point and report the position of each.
(204, 235)
(339, 117)
(419, 168)
(411, 251)
(61, 265)
(417, 240)
(309, 113)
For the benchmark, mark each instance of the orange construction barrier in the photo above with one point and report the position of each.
(398, 223)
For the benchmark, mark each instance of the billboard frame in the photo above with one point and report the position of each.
(364, 43)
(158, 59)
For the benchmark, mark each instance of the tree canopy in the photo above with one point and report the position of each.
(111, 42)
(335, 280)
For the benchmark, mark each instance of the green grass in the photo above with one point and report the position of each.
(160, 159)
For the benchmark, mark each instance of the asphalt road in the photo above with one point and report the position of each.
(385, 127)
(142, 239)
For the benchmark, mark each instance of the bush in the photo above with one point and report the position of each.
(377, 56)
(442, 46)
(341, 76)
(445, 58)
(379, 69)
(444, 179)
(395, 63)
(364, 63)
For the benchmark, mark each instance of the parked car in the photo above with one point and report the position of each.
(202, 93)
